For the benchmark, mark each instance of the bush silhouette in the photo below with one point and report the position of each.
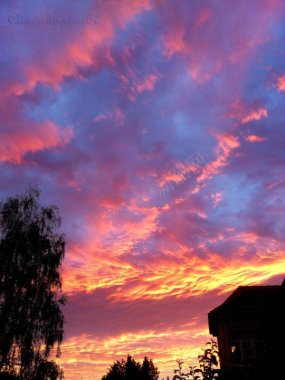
(207, 368)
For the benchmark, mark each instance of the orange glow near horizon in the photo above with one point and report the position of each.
(192, 277)
(185, 342)
(188, 277)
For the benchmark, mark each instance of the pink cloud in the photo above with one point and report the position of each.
(246, 113)
(16, 143)
(117, 117)
(84, 49)
(174, 42)
(199, 37)
(148, 83)
(217, 198)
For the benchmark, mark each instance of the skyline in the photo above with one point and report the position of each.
(157, 129)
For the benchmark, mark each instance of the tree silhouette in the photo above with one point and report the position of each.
(148, 370)
(209, 361)
(30, 287)
(131, 370)
(208, 368)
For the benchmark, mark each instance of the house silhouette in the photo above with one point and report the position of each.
(250, 328)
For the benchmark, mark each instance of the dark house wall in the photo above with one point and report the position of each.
(250, 328)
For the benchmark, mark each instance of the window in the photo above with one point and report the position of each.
(245, 350)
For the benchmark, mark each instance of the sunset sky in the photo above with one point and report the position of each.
(158, 129)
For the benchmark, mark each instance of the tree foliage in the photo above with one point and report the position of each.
(148, 370)
(131, 370)
(207, 368)
(30, 287)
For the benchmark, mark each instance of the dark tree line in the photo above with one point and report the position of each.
(131, 370)
(31, 321)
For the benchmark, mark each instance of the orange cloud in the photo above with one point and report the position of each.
(226, 144)
(164, 344)
(101, 255)
(175, 273)
(181, 170)
(281, 83)
(92, 356)
(254, 138)
(255, 115)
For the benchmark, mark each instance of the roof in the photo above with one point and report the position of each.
(245, 300)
